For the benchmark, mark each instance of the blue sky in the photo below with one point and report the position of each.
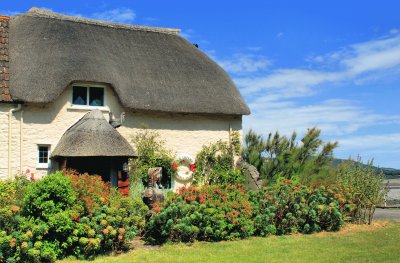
(298, 64)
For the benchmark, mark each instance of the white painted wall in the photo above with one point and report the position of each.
(45, 124)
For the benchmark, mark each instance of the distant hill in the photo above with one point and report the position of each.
(389, 173)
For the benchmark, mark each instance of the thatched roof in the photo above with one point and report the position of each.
(92, 135)
(150, 69)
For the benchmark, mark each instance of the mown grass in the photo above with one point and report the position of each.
(376, 243)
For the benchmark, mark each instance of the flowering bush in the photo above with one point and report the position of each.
(209, 213)
(70, 215)
(92, 191)
(287, 208)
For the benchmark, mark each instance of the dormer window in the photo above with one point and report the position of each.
(88, 95)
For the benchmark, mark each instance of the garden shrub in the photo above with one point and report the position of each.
(108, 228)
(288, 208)
(208, 213)
(11, 197)
(360, 189)
(49, 196)
(215, 163)
(92, 191)
(151, 153)
(63, 215)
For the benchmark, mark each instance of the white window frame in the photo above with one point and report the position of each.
(44, 165)
(87, 106)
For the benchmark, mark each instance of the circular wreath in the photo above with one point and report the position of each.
(184, 167)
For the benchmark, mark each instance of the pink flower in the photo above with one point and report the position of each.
(28, 171)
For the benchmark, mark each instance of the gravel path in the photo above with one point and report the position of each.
(387, 213)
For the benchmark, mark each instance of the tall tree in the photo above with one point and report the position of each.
(279, 156)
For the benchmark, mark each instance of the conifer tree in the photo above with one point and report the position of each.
(282, 157)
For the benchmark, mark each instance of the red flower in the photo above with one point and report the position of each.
(193, 167)
(32, 177)
(174, 166)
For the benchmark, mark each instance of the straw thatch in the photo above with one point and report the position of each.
(91, 136)
(150, 69)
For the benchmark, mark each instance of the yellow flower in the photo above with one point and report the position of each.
(29, 233)
(13, 242)
(24, 245)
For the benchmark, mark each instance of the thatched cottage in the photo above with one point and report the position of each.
(61, 76)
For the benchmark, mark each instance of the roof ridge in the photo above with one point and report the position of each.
(39, 12)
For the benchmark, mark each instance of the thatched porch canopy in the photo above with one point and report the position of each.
(92, 136)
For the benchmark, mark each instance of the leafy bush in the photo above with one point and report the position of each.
(108, 228)
(215, 163)
(360, 188)
(282, 157)
(11, 197)
(151, 153)
(287, 208)
(209, 213)
(49, 196)
(70, 215)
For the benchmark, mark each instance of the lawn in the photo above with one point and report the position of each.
(376, 243)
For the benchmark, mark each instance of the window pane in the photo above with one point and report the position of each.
(42, 148)
(79, 95)
(43, 154)
(96, 96)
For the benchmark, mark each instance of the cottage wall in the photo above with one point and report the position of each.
(45, 124)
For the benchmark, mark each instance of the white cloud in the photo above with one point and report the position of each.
(390, 142)
(357, 60)
(244, 63)
(120, 15)
(335, 117)
(374, 55)
(384, 149)
(287, 80)
(394, 31)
